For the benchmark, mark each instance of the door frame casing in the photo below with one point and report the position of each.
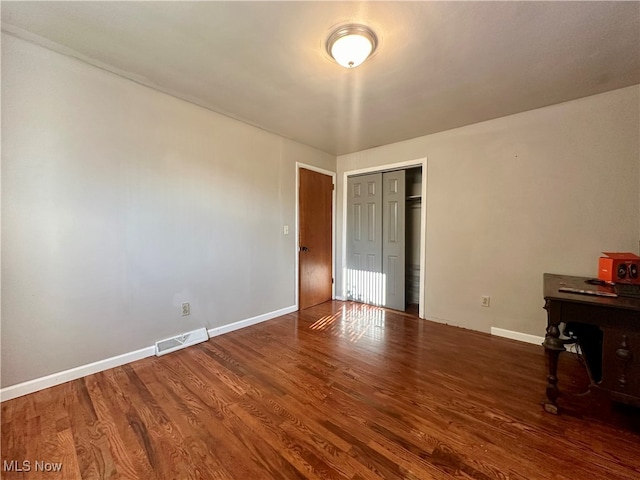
(331, 174)
(419, 162)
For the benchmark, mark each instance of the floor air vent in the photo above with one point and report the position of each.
(181, 341)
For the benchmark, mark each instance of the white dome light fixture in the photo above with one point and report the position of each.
(350, 45)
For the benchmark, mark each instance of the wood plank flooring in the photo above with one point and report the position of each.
(337, 391)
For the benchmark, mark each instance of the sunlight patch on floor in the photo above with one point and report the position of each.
(353, 322)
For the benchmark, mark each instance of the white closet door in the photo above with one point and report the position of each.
(365, 281)
(376, 239)
(393, 238)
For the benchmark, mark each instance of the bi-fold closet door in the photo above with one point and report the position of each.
(376, 239)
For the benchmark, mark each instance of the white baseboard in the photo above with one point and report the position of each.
(41, 383)
(522, 337)
(214, 332)
(54, 379)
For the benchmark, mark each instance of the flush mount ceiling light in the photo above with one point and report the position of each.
(351, 45)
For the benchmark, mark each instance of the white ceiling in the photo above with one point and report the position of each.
(439, 65)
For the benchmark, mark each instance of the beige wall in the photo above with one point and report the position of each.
(512, 198)
(119, 203)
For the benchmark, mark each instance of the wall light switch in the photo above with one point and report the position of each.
(286, 230)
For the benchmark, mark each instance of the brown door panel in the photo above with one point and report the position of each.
(315, 254)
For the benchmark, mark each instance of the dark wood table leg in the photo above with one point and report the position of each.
(553, 345)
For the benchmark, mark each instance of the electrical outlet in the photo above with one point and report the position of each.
(285, 230)
(485, 301)
(186, 309)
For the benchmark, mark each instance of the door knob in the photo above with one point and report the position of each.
(304, 249)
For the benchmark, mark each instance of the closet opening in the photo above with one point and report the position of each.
(384, 237)
(413, 215)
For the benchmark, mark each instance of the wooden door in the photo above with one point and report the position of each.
(315, 255)
(364, 239)
(393, 238)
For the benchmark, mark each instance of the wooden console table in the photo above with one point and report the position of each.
(607, 330)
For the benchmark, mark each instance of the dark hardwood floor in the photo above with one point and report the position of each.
(337, 391)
